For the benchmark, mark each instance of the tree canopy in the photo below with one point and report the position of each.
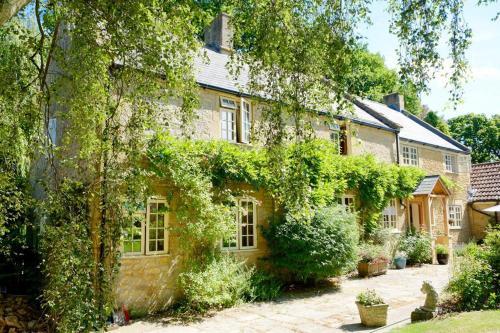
(479, 132)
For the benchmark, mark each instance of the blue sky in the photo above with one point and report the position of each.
(482, 92)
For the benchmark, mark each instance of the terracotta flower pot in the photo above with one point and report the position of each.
(372, 268)
(373, 315)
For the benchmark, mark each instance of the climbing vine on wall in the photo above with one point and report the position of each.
(311, 175)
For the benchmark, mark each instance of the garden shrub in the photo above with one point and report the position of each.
(418, 248)
(221, 282)
(264, 286)
(316, 249)
(474, 285)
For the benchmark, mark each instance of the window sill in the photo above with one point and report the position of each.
(142, 256)
(240, 250)
(455, 228)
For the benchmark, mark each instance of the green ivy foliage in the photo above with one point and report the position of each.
(68, 293)
(309, 175)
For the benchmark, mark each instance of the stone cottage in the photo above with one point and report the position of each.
(151, 258)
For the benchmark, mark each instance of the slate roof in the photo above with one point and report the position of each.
(212, 72)
(485, 181)
(426, 185)
(413, 129)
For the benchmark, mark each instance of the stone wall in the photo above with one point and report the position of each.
(480, 221)
(431, 160)
(378, 142)
(148, 283)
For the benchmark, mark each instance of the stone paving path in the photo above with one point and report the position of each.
(319, 311)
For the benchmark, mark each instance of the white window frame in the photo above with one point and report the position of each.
(455, 216)
(239, 225)
(228, 103)
(245, 120)
(157, 200)
(409, 155)
(142, 215)
(348, 201)
(450, 163)
(389, 216)
(230, 125)
(335, 137)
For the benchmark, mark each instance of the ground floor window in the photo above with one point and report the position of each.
(146, 232)
(455, 216)
(348, 202)
(389, 215)
(245, 226)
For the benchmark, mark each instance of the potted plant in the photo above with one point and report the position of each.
(442, 254)
(400, 259)
(373, 261)
(372, 309)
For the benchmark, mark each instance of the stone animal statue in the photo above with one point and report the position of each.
(431, 298)
(428, 311)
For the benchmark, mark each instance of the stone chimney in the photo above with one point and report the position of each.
(219, 35)
(395, 101)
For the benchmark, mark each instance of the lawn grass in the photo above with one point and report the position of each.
(477, 322)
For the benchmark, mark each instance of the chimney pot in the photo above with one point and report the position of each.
(395, 101)
(219, 35)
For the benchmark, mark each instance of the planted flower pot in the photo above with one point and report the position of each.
(442, 258)
(400, 262)
(373, 315)
(442, 254)
(373, 268)
(372, 309)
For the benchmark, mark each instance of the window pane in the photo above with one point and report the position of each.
(161, 219)
(152, 246)
(152, 220)
(161, 234)
(250, 241)
(152, 233)
(161, 246)
(153, 207)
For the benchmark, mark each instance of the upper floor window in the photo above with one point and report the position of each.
(245, 227)
(450, 163)
(246, 121)
(147, 232)
(389, 215)
(348, 202)
(338, 137)
(235, 120)
(455, 216)
(410, 155)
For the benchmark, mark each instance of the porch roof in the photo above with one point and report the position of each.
(428, 185)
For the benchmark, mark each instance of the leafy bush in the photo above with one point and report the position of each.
(474, 285)
(371, 253)
(369, 298)
(441, 249)
(418, 248)
(264, 286)
(222, 282)
(321, 248)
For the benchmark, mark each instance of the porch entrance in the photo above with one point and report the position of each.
(428, 210)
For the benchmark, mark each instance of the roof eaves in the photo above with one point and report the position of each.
(433, 146)
(437, 132)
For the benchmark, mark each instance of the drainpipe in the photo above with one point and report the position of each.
(397, 148)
